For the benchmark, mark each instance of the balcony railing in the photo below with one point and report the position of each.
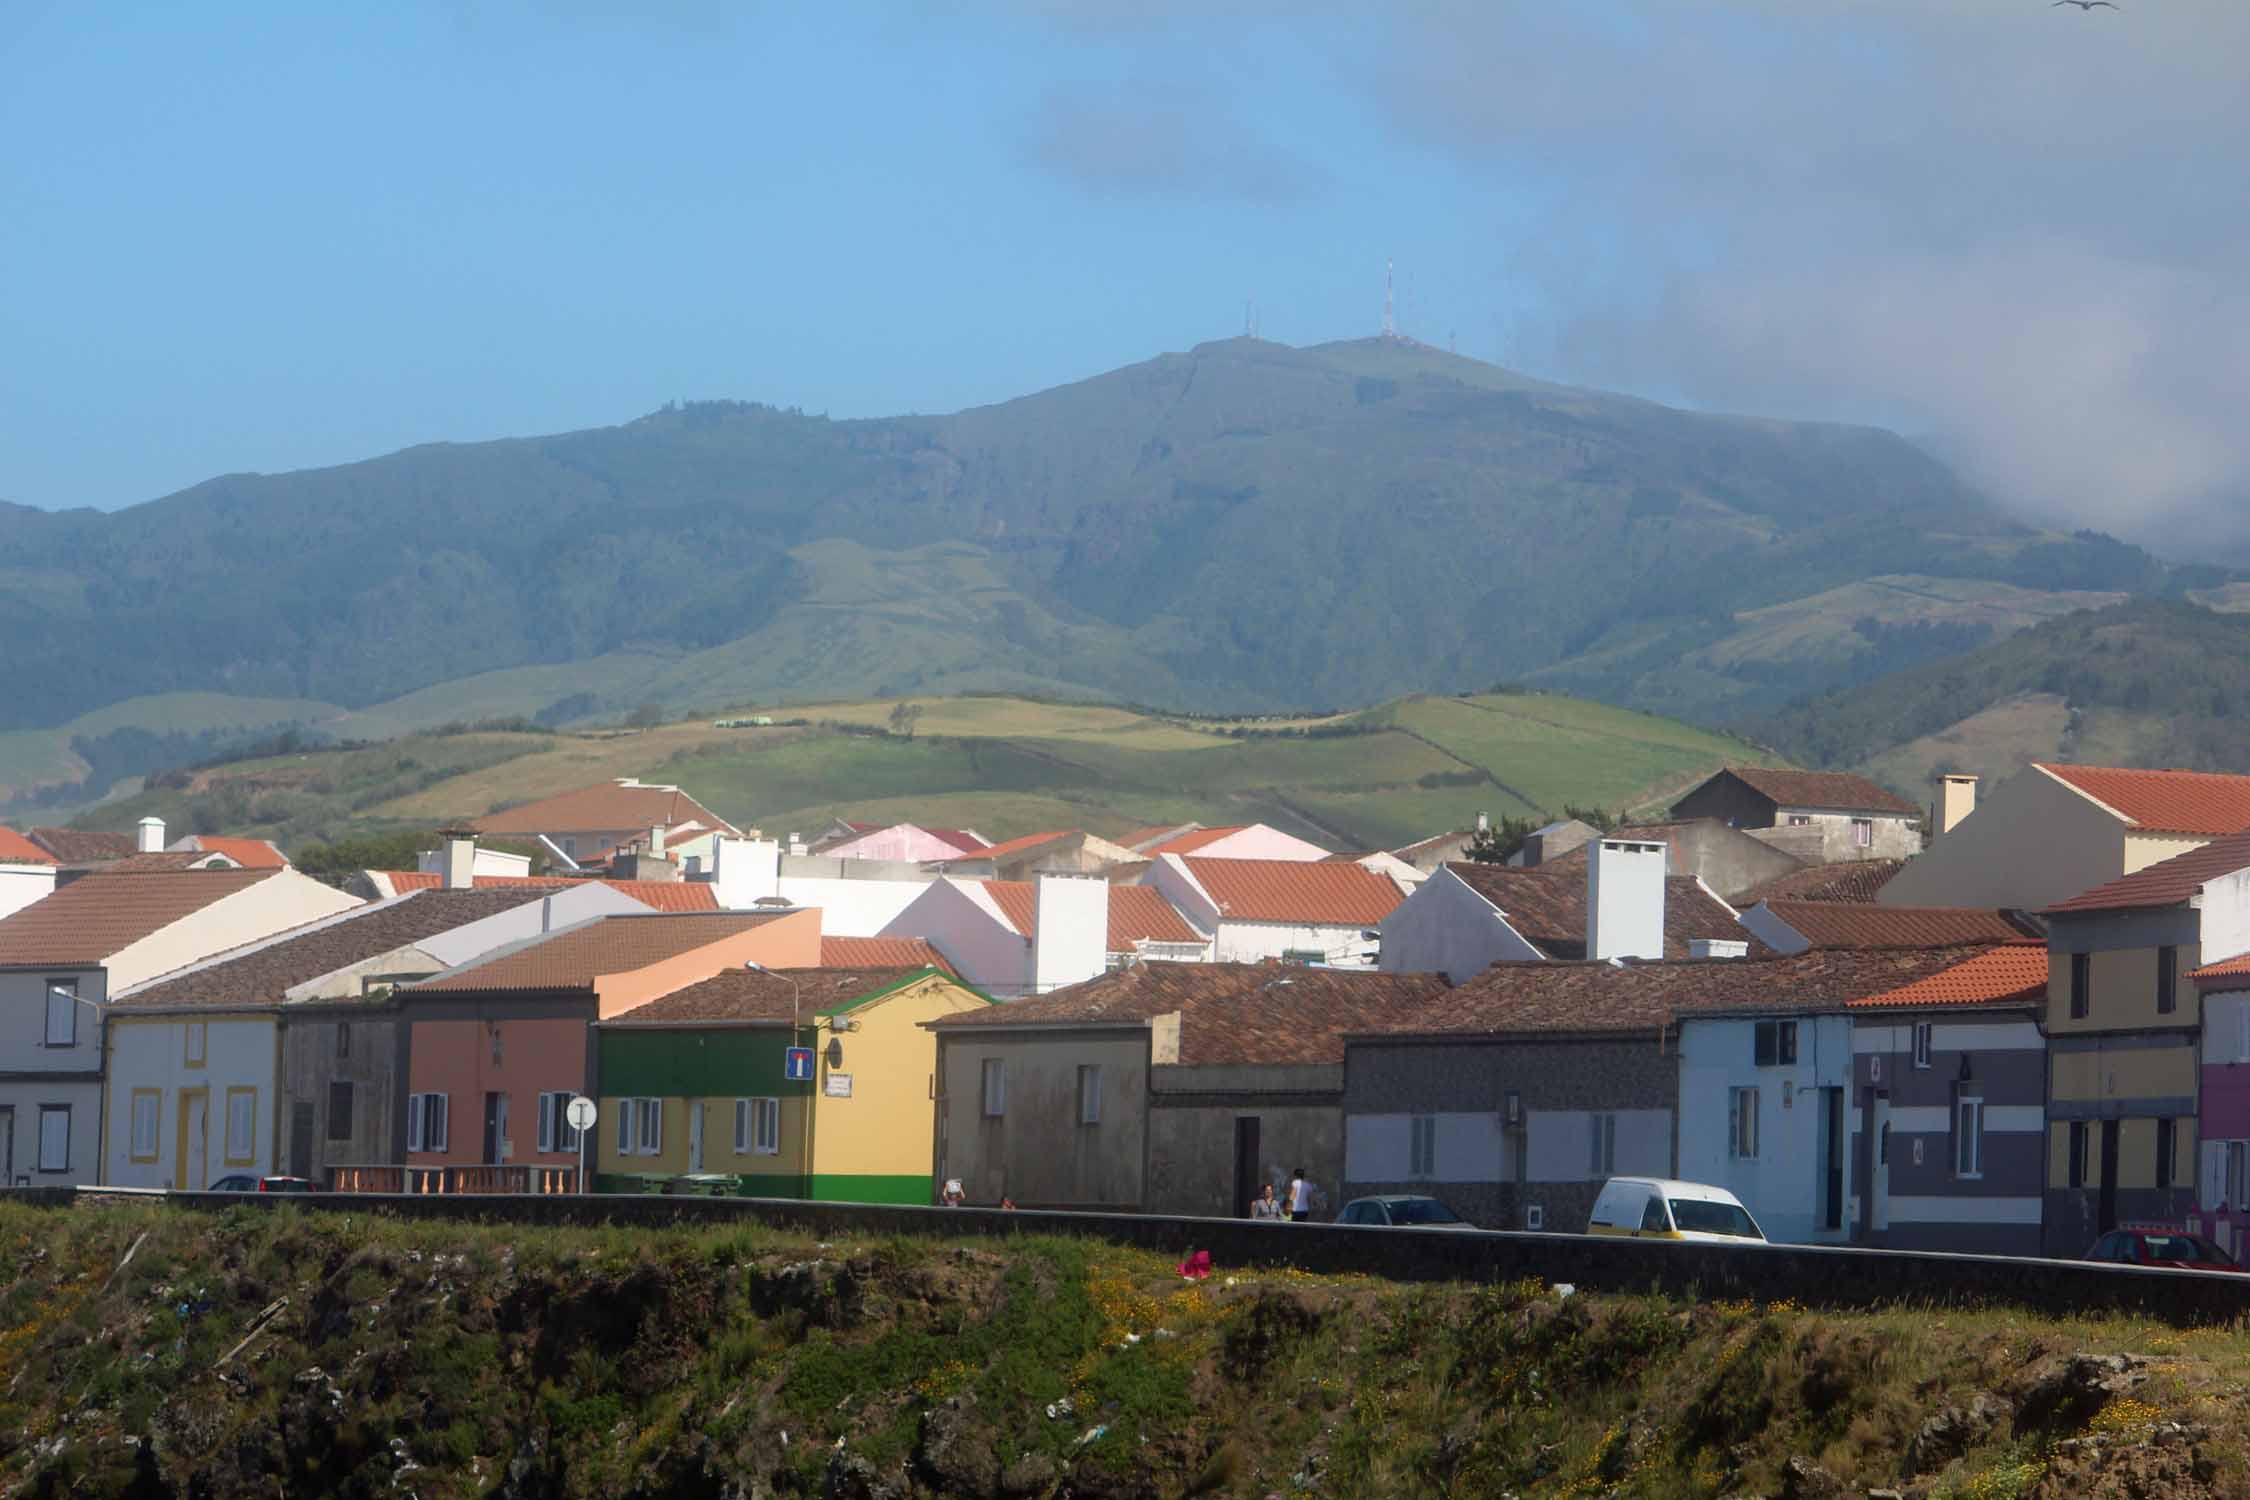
(507, 1177)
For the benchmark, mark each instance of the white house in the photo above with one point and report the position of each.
(1307, 911)
(1762, 1114)
(27, 872)
(1027, 937)
(63, 957)
(856, 897)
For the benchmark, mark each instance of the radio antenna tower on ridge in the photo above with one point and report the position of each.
(1390, 319)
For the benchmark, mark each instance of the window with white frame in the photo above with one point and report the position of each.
(62, 1012)
(54, 1137)
(648, 1126)
(1603, 1159)
(1968, 1135)
(426, 1122)
(195, 1044)
(1422, 1147)
(757, 1127)
(555, 1133)
(1921, 1044)
(242, 1126)
(1089, 1094)
(1863, 832)
(995, 1087)
(147, 1104)
(1742, 1124)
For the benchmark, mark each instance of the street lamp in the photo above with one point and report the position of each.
(804, 1131)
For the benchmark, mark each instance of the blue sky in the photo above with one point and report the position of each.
(273, 236)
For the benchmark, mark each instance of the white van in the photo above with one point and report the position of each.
(1657, 1208)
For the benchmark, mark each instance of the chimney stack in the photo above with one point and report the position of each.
(1625, 898)
(151, 836)
(1957, 798)
(656, 840)
(1070, 929)
(457, 859)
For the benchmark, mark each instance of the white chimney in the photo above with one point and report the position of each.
(457, 859)
(1625, 899)
(1718, 948)
(151, 836)
(744, 871)
(656, 841)
(1070, 931)
(1957, 798)
(1484, 824)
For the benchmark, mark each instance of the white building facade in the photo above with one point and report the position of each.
(1763, 1114)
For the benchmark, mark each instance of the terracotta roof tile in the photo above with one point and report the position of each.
(1843, 924)
(1548, 907)
(1137, 913)
(967, 840)
(2012, 972)
(574, 957)
(1600, 998)
(1839, 790)
(738, 995)
(2168, 882)
(2209, 803)
(1230, 1014)
(880, 953)
(2227, 969)
(86, 921)
(251, 854)
(607, 804)
(15, 849)
(1313, 892)
(1009, 847)
(1855, 881)
(172, 859)
(83, 846)
(262, 973)
(656, 895)
(1188, 843)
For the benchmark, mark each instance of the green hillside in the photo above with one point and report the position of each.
(1003, 765)
(2152, 683)
(1246, 525)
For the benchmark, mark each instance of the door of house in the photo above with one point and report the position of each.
(1246, 1169)
(695, 1135)
(194, 1162)
(495, 1126)
(300, 1138)
(1832, 1185)
(2109, 1176)
(1879, 1174)
(7, 1144)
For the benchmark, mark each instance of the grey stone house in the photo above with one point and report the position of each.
(1821, 817)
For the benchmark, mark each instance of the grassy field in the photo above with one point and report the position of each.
(157, 1351)
(1004, 766)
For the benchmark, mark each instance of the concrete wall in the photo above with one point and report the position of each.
(1727, 860)
(2123, 948)
(787, 942)
(574, 904)
(1192, 1125)
(2029, 844)
(2223, 1119)
(1037, 1152)
(34, 1076)
(1785, 1185)
(961, 922)
(543, 1049)
(149, 1058)
(322, 1047)
(1261, 842)
(1070, 930)
(1445, 927)
(1250, 942)
(20, 885)
(878, 1141)
(283, 900)
(853, 907)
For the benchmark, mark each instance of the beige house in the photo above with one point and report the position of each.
(2051, 831)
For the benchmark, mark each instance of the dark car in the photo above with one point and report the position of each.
(2161, 1247)
(1402, 1209)
(244, 1182)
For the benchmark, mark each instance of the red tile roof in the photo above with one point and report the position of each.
(1015, 846)
(737, 995)
(1137, 913)
(1844, 924)
(2209, 803)
(1548, 907)
(86, 921)
(1855, 880)
(605, 805)
(880, 953)
(1313, 892)
(1837, 790)
(656, 895)
(1134, 839)
(2226, 969)
(1188, 843)
(2168, 882)
(2011, 972)
(251, 854)
(1230, 1014)
(573, 958)
(968, 841)
(171, 859)
(15, 849)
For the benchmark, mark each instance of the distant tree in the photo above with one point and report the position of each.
(1600, 819)
(1496, 843)
(368, 851)
(647, 716)
(903, 718)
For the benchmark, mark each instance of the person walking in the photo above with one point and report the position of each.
(1300, 1196)
(1265, 1205)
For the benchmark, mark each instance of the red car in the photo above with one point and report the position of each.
(2161, 1247)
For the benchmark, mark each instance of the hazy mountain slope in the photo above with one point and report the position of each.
(1245, 524)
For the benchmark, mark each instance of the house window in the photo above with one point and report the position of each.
(995, 1087)
(1968, 1135)
(54, 1137)
(195, 1045)
(555, 1133)
(2167, 1133)
(426, 1122)
(339, 1110)
(1863, 833)
(242, 1127)
(1089, 1094)
(2078, 1153)
(1921, 1044)
(2081, 981)
(2238, 1172)
(1422, 1147)
(62, 1012)
(496, 1044)
(1800, 820)
(648, 1126)
(2167, 980)
(1604, 1133)
(1774, 1044)
(343, 1039)
(1742, 1124)
(148, 1104)
(757, 1127)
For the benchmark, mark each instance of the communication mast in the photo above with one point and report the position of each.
(1390, 318)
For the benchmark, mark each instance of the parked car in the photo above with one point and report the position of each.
(2161, 1247)
(245, 1182)
(1657, 1208)
(1402, 1209)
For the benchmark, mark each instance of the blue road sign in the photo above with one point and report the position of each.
(797, 1067)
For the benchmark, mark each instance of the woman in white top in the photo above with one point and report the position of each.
(1300, 1196)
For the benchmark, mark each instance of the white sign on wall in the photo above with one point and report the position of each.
(839, 1086)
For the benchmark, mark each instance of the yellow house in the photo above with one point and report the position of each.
(700, 1083)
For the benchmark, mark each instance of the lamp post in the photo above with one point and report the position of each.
(101, 1046)
(812, 1094)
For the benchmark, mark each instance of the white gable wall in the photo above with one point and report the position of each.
(1445, 927)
